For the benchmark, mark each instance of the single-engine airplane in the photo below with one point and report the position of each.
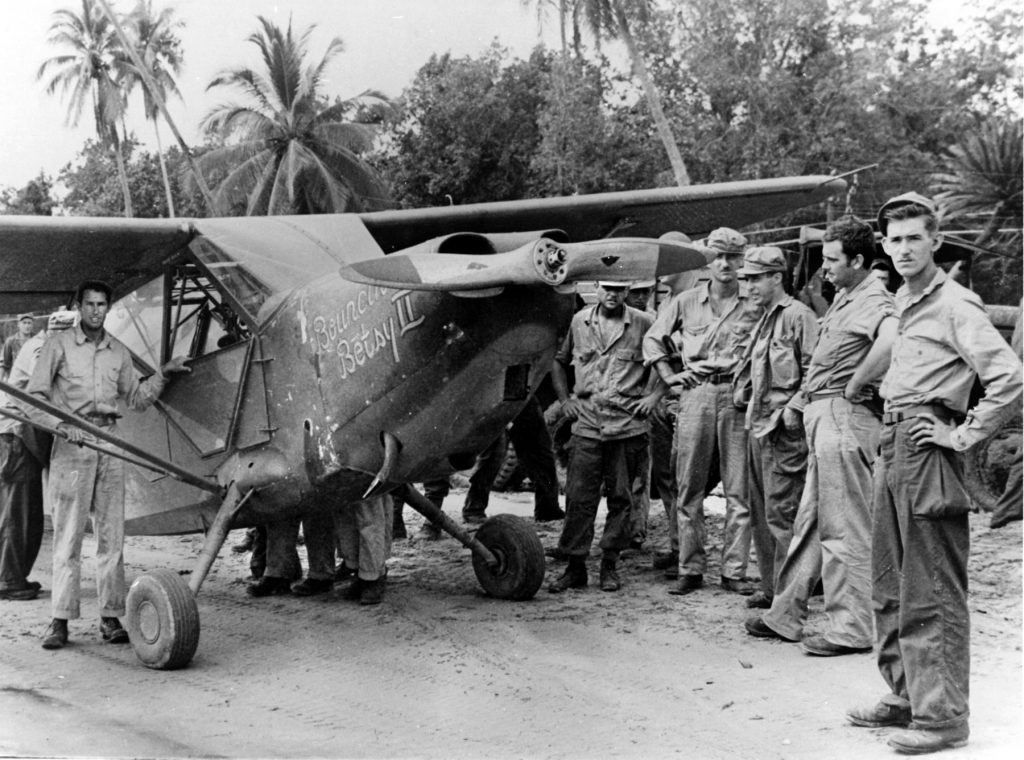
(324, 371)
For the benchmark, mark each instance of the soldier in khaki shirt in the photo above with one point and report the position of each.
(609, 432)
(920, 533)
(84, 371)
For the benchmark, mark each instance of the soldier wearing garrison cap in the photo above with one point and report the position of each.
(770, 374)
(711, 323)
(26, 324)
(609, 434)
(920, 533)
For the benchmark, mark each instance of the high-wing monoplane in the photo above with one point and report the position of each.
(324, 370)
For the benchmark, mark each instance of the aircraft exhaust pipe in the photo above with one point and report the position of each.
(392, 448)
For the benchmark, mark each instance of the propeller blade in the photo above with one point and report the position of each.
(542, 262)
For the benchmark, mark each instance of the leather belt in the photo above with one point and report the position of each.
(819, 395)
(100, 420)
(717, 378)
(902, 414)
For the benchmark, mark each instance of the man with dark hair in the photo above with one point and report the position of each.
(920, 535)
(774, 366)
(712, 322)
(609, 432)
(84, 371)
(832, 529)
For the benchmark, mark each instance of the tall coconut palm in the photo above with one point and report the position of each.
(89, 73)
(286, 149)
(154, 37)
(611, 18)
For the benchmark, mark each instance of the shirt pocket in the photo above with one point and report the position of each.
(784, 363)
(627, 372)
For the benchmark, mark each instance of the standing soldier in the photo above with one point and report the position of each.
(609, 432)
(921, 537)
(84, 371)
(770, 375)
(832, 531)
(713, 320)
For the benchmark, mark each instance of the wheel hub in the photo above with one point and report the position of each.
(149, 621)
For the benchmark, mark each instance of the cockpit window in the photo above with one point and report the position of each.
(199, 318)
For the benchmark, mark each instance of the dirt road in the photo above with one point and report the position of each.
(440, 670)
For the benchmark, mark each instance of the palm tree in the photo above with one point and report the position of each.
(154, 39)
(610, 17)
(984, 174)
(287, 150)
(89, 72)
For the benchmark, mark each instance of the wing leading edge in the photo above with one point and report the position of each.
(695, 210)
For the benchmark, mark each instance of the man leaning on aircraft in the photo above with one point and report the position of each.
(85, 370)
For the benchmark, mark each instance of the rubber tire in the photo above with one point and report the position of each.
(504, 480)
(987, 464)
(162, 620)
(520, 553)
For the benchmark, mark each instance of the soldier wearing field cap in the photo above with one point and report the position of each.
(773, 368)
(842, 421)
(920, 534)
(26, 324)
(609, 434)
(711, 322)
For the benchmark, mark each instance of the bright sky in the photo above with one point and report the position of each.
(386, 41)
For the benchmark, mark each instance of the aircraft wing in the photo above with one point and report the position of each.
(695, 210)
(42, 259)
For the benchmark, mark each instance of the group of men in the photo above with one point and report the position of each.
(835, 478)
(831, 476)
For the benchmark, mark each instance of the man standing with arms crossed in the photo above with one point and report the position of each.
(920, 532)
(772, 371)
(84, 371)
(713, 320)
(832, 531)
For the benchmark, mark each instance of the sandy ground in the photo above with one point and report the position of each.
(442, 671)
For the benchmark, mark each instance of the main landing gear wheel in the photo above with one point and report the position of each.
(520, 555)
(163, 620)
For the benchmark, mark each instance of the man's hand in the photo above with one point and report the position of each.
(929, 430)
(571, 408)
(73, 433)
(792, 419)
(685, 379)
(646, 405)
(856, 393)
(175, 365)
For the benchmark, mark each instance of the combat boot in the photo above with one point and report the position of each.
(609, 576)
(575, 576)
(56, 634)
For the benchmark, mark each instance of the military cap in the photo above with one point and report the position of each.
(764, 259)
(725, 240)
(906, 199)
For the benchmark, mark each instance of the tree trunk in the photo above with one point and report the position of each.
(653, 99)
(163, 170)
(122, 175)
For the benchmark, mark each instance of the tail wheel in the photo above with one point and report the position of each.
(520, 555)
(162, 620)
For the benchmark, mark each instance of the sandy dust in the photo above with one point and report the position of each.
(442, 671)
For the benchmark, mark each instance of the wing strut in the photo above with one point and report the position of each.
(138, 456)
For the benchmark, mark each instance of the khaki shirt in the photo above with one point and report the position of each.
(85, 378)
(21, 371)
(945, 340)
(610, 373)
(708, 342)
(845, 336)
(776, 362)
